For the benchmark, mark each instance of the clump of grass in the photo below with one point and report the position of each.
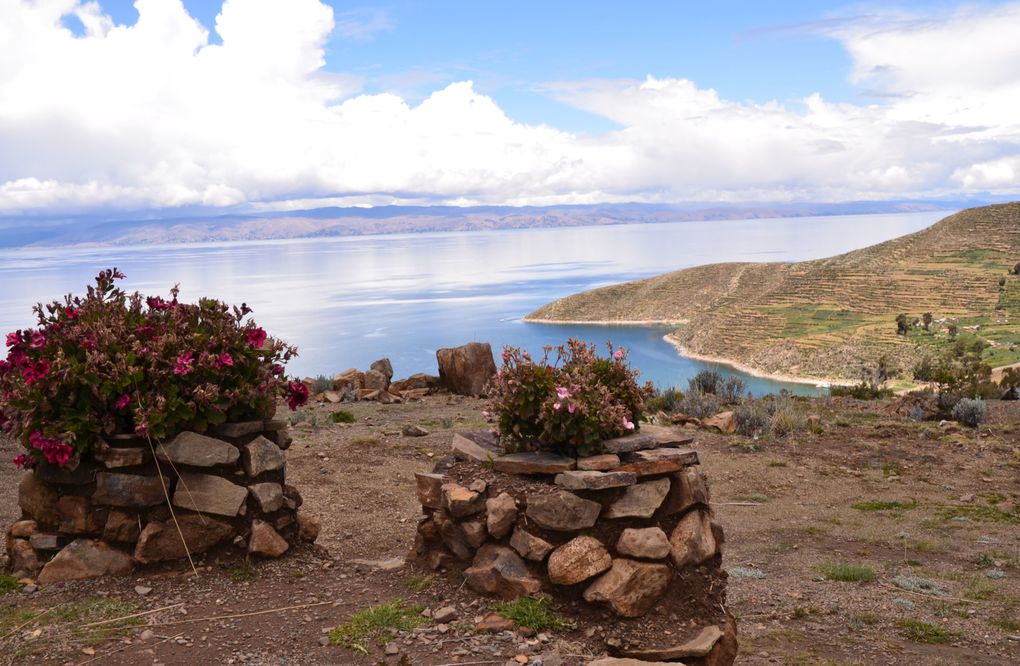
(420, 582)
(915, 584)
(924, 632)
(979, 589)
(885, 505)
(304, 416)
(342, 416)
(365, 441)
(374, 623)
(532, 612)
(977, 513)
(8, 583)
(1010, 624)
(321, 384)
(95, 609)
(243, 572)
(754, 497)
(847, 573)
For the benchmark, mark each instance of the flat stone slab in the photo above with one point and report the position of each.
(191, 448)
(590, 480)
(85, 558)
(648, 463)
(641, 500)
(635, 442)
(129, 490)
(161, 541)
(667, 436)
(534, 462)
(113, 458)
(465, 449)
(209, 494)
(562, 511)
(695, 648)
(687, 456)
(600, 463)
(240, 428)
(261, 455)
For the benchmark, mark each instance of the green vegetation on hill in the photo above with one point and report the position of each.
(832, 317)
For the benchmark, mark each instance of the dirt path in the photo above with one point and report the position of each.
(788, 508)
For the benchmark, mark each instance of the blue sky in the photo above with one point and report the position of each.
(316, 102)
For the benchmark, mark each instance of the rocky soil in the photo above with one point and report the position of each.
(930, 512)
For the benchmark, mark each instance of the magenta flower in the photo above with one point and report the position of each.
(36, 371)
(14, 339)
(224, 360)
(278, 369)
(88, 344)
(17, 357)
(297, 395)
(72, 312)
(562, 392)
(158, 303)
(37, 340)
(123, 401)
(571, 408)
(627, 424)
(256, 337)
(24, 461)
(184, 364)
(618, 354)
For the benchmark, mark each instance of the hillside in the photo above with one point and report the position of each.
(828, 317)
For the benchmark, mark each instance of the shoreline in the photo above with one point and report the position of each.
(817, 382)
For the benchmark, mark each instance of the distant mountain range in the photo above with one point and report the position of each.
(319, 222)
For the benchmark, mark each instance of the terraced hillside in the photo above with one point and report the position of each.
(829, 317)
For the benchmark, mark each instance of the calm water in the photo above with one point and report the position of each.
(348, 301)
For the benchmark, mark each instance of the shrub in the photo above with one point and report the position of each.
(342, 416)
(969, 412)
(570, 405)
(752, 418)
(665, 401)
(112, 362)
(728, 389)
(700, 404)
(321, 384)
(862, 391)
(902, 324)
(847, 573)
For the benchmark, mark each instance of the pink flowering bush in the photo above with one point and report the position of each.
(112, 362)
(570, 405)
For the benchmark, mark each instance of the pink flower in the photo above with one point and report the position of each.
(144, 330)
(4, 367)
(297, 394)
(618, 354)
(562, 392)
(556, 405)
(36, 371)
(17, 357)
(277, 369)
(88, 344)
(224, 360)
(37, 340)
(184, 363)
(571, 408)
(256, 337)
(157, 303)
(14, 339)
(627, 424)
(123, 401)
(24, 461)
(72, 312)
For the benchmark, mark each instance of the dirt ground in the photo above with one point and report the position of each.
(930, 508)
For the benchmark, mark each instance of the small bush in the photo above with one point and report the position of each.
(420, 582)
(8, 583)
(321, 384)
(924, 632)
(706, 381)
(376, 623)
(969, 412)
(699, 404)
(785, 417)
(847, 573)
(728, 390)
(752, 419)
(884, 505)
(569, 406)
(342, 416)
(862, 391)
(533, 613)
(665, 401)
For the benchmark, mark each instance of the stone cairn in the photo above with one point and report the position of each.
(110, 513)
(629, 531)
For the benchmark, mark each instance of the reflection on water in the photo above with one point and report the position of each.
(348, 301)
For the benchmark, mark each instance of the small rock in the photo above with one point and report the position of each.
(577, 560)
(142, 590)
(391, 649)
(460, 501)
(494, 623)
(500, 515)
(693, 539)
(529, 546)
(445, 614)
(265, 541)
(641, 500)
(647, 543)
(600, 463)
(414, 431)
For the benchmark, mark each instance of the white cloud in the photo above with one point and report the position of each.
(153, 115)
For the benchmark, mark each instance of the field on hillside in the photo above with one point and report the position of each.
(832, 317)
(875, 540)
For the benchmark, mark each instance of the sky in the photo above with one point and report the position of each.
(161, 105)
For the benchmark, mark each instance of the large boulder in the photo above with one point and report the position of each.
(466, 369)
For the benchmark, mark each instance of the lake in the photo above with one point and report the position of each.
(346, 302)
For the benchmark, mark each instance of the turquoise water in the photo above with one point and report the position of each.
(348, 301)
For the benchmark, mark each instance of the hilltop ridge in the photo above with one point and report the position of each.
(827, 318)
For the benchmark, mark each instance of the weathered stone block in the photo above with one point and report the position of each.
(562, 511)
(130, 490)
(530, 546)
(500, 515)
(692, 540)
(499, 571)
(649, 543)
(577, 560)
(115, 458)
(240, 428)
(265, 541)
(268, 496)
(534, 462)
(191, 448)
(260, 455)
(635, 442)
(161, 541)
(640, 501)
(630, 588)
(209, 494)
(460, 501)
(591, 480)
(430, 493)
(85, 558)
(600, 463)
(37, 500)
(121, 526)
